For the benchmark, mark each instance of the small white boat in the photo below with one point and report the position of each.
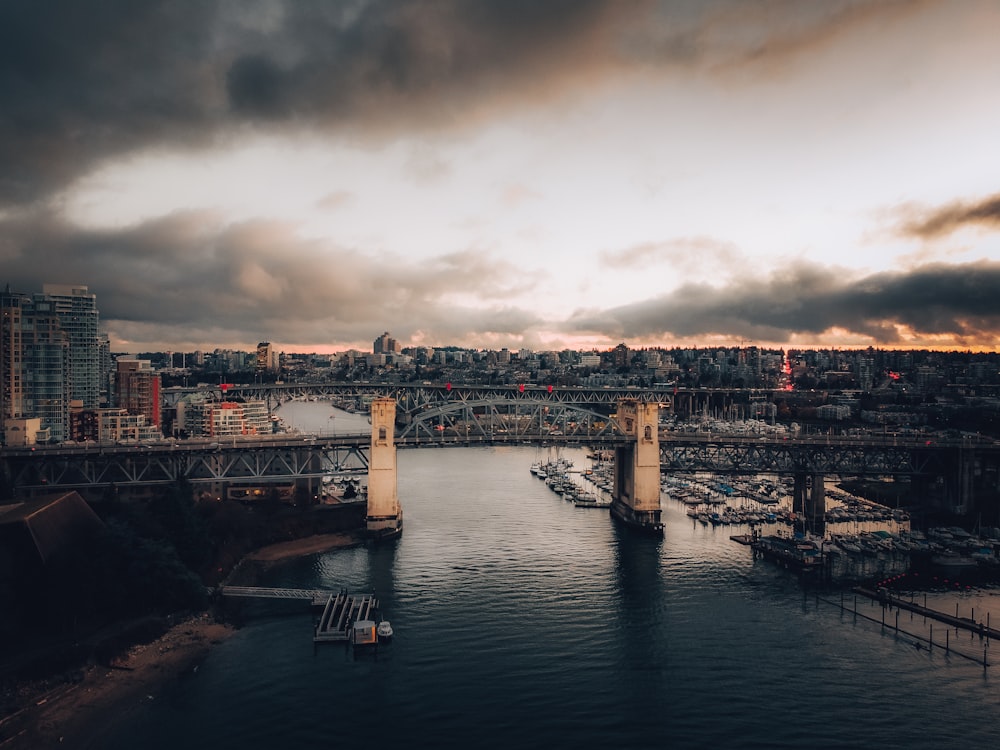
(384, 630)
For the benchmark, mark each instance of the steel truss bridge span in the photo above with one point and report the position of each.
(287, 458)
(727, 454)
(411, 398)
(233, 462)
(517, 418)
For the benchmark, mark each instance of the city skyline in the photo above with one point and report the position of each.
(504, 174)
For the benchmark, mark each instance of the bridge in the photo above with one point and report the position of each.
(247, 467)
(417, 402)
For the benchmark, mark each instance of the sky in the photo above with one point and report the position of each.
(489, 173)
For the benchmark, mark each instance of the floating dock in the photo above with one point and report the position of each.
(340, 612)
(792, 553)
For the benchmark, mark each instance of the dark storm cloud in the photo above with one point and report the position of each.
(933, 223)
(958, 301)
(81, 82)
(190, 277)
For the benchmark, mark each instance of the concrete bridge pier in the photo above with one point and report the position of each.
(385, 517)
(809, 502)
(800, 489)
(636, 497)
(816, 506)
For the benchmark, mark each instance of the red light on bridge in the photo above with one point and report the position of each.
(520, 388)
(447, 386)
(224, 386)
(550, 389)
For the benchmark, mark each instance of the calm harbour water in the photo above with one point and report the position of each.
(524, 622)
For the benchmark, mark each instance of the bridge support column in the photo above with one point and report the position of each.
(816, 506)
(800, 489)
(636, 497)
(385, 517)
(809, 503)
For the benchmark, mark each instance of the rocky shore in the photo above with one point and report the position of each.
(79, 708)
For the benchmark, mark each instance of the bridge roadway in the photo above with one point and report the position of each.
(413, 397)
(294, 457)
(422, 406)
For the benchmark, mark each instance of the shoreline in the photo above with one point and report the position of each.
(80, 707)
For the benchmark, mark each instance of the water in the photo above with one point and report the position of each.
(524, 622)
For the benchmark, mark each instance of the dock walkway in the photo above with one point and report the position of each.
(340, 610)
(260, 592)
(956, 622)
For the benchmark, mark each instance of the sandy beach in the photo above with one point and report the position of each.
(78, 710)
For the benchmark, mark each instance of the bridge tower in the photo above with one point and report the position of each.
(636, 497)
(385, 517)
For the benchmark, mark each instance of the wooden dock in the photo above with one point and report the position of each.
(340, 612)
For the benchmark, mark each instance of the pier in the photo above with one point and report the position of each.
(964, 623)
(797, 554)
(340, 610)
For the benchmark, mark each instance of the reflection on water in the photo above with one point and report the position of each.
(523, 621)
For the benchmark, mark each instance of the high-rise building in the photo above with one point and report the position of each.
(12, 365)
(267, 358)
(620, 354)
(76, 309)
(47, 352)
(386, 344)
(866, 371)
(137, 389)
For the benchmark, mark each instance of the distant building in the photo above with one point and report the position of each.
(137, 389)
(229, 419)
(13, 375)
(76, 309)
(835, 412)
(385, 344)
(866, 371)
(50, 354)
(19, 433)
(267, 358)
(118, 426)
(201, 416)
(49, 358)
(620, 355)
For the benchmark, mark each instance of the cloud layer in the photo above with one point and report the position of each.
(937, 222)
(935, 301)
(192, 278)
(83, 82)
(86, 86)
